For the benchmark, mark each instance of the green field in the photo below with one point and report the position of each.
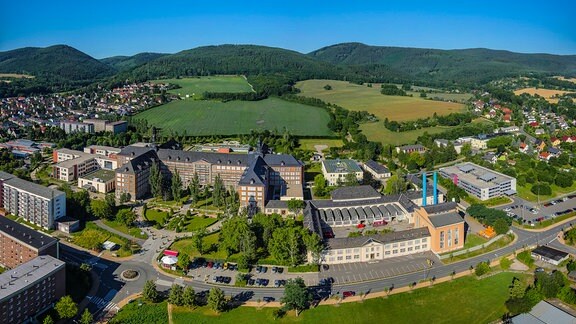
(195, 87)
(210, 245)
(465, 300)
(378, 133)
(203, 118)
(360, 97)
(308, 144)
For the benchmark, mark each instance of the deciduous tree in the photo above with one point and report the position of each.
(296, 296)
(149, 292)
(216, 300)
(66, 307)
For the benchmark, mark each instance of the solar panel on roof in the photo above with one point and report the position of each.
(488, 176)
(466, 168)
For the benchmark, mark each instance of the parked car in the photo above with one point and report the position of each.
(263, 269)
(279, 269)
(258, 269)
(538, 270)
(274, 269)
(226, 280)
(268, 299)
(210, 265)
(348, 294)
(251, 282)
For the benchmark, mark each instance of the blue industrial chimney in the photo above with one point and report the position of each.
(435, 188)
(424, 189)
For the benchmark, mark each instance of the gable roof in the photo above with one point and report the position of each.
(140, 162)
(440, 208)
(351, 242)
(355, 193)
(376, 167)
(444, 219)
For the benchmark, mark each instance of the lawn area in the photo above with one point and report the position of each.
(204, 117)
(192, 224)
(92, 237)
(500, 243)
(195, 87)
(156, 216)
(474, 240)
(210, 245)
(146, 313)
(308, 144)
(378, 133)
(134, 231)
(464, 300)
(361, 97)
(525, 193)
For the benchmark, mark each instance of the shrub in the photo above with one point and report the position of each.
(482, 268)
(526, 258)
(505, 263)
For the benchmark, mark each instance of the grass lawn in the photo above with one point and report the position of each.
(156, 216)
(203, 117)
(146, 313)
(92, 234)
(525, 193)
(210, 245)
(474, 240)
(308, 144)
(464, 300)
(195, 87)
(136, 232)
(360, 97)
(197, 223)
(378, 133)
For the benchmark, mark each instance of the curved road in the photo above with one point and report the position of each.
(116, 289)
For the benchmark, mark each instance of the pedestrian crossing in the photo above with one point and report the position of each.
(103, 303)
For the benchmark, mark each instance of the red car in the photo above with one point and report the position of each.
(348, 294)
(210, 264)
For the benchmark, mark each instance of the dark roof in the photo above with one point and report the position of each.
(444, 219)
(226, 158)
(404, 198)
(134, 151)
(412, 147)
(25, 234)
(255, 174)
(140, 162)
(312, 220)
(377, 167)
(277, 204)
(440, 208)
(355, 193)
(351, 242)
(550, 253)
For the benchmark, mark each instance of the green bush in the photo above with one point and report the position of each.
(482, 268)
(525, 257)
(305, 268)
(505, 263)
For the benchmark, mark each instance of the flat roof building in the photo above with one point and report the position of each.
(20, 244)
(31, 288)
(35, 203)
(550, 255)
(377, 170)
(103, 181)
(479, 181)
(335, 171)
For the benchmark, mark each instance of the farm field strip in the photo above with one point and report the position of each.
(547, 94)
(195, 87)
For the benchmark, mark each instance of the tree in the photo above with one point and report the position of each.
(66, 307)
(232, 232)
(500, 226)
(189, 296)
(296, 296)
(125, 197)
(195, 188)
(176, 186)
(327, 87)
(350, 179)
(87, 317)
(176, 294)
(517, 289)
(101, 209)
(319, 185)
(198, 240)
(219, 191)
(482, 268)
(149, 292)
(216, 300)
(155, 180)
(184, 261)
(314, 245)
(286, 245)
(110, 200)
(295, 205)
(48, 320)
(395, 185)
(126, 216)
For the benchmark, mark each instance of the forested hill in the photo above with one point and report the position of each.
(125, 63)
(445, 66)
(59, 63)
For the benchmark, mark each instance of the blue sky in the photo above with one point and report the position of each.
(107, 28)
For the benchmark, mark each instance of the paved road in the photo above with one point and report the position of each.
(113, 288)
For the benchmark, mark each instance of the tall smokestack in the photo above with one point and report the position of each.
(435, 188)
(424, 189)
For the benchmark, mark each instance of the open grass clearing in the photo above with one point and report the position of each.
(140, 312)
(525, 193)
(191, 224)
(309, 143)
(210, 247)
(547, 94)
(500, 243)
(378, 133)
(133, 231)
(195, 87)
(360, 97)
(204, 117)
(464, 300)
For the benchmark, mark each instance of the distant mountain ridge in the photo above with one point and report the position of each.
(475, 65)
(59, 63)
(347, 61)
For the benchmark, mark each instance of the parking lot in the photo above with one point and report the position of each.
(362, 271)
(268, 278)
(527, 213)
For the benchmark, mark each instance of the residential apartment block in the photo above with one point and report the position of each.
(335, 171)
(20, 244)
(35, 203)
(479, 181)
(31, 288)
(76, 127)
